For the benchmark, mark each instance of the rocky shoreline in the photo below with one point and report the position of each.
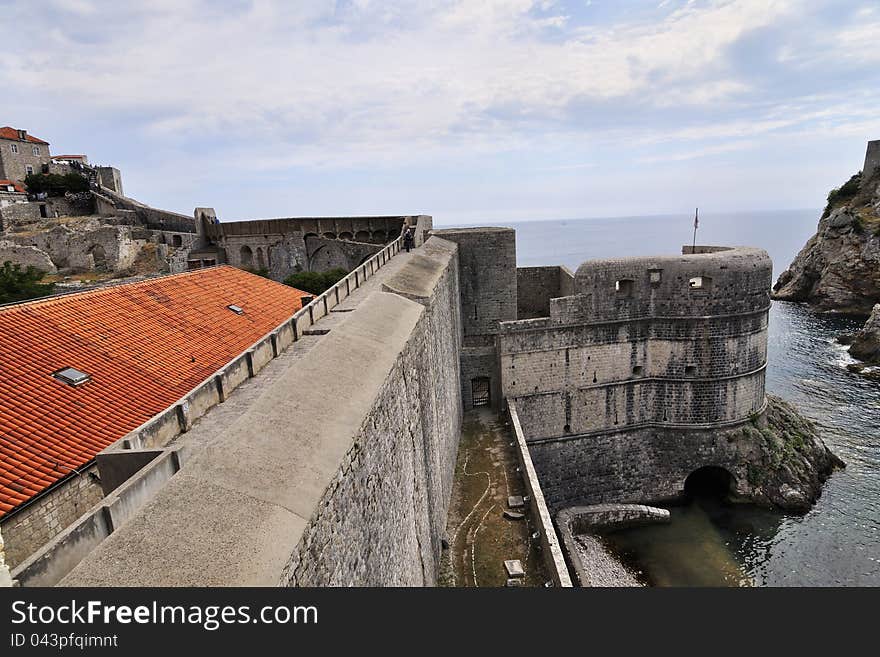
(605, 569)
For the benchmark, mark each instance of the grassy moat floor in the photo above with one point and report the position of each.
(480, 537)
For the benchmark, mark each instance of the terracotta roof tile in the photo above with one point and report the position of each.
(144, 345)
(6, 183)
(7, 132)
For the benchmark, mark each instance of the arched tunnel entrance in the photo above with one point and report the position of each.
(709, 481)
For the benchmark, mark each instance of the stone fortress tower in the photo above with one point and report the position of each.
(628, 376)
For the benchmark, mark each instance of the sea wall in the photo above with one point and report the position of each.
(775, 458)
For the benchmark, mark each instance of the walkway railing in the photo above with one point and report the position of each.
(322, 304)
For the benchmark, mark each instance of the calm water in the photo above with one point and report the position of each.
(838, 541)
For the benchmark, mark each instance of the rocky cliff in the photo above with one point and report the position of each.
(865, 344)
(839, 267)
(787, 459)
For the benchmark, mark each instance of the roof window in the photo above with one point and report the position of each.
(238, 310)
(72, 376)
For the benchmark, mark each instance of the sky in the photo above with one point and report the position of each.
(469, 111)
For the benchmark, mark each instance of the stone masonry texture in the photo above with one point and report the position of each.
(488, 280)
(29, 529)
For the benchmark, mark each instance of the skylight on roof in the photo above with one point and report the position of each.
(72, 376)
(238, 310)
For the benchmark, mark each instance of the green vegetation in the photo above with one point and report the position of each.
(315, 282)
(19, 285)
(55, 184)
(840, 195)
(259, 272)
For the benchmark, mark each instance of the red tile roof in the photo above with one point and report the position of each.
(144, 345)
(7, 183)
(11, 133)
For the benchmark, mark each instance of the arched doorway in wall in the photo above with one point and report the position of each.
(346, 236)
(261, 260)
(99, 257)
(709, 481)
(362, 236)
(246, 256)
(481, 391)
(330, 236)
(378, 237)
(176, 240)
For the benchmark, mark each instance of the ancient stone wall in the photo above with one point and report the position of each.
(872, 161)
(5, 579)
(382, 521)
(96, 246)
(288, 245)
(535, 286)
(488, 295)
(26, 256)
(324, 254)
(19, 214)
(644, 341)
(29, 529)
(109, 202)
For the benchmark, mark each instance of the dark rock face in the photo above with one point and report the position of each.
(865, 344)
(839, 267)
(789, 461)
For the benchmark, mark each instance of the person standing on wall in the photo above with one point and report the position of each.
(408, 239)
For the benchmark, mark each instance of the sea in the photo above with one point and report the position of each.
(708, 543)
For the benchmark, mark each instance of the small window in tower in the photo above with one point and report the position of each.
(36, 150)
(690, 370)
(72, 376)
(655, 276)
(624, 287)
(14, 148)
(638, 370)
(700, 283)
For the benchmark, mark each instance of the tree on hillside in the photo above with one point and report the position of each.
(55, 184)
(17, 284)
(315, 282)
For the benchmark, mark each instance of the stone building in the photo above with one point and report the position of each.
(22, 154)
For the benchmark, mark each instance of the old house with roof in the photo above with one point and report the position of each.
(83, 370)
(22, 154)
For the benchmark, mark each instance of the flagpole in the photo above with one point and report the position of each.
(696, 223)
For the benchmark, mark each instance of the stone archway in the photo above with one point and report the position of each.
(99, 257)
(246, 256)
(709, 481)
